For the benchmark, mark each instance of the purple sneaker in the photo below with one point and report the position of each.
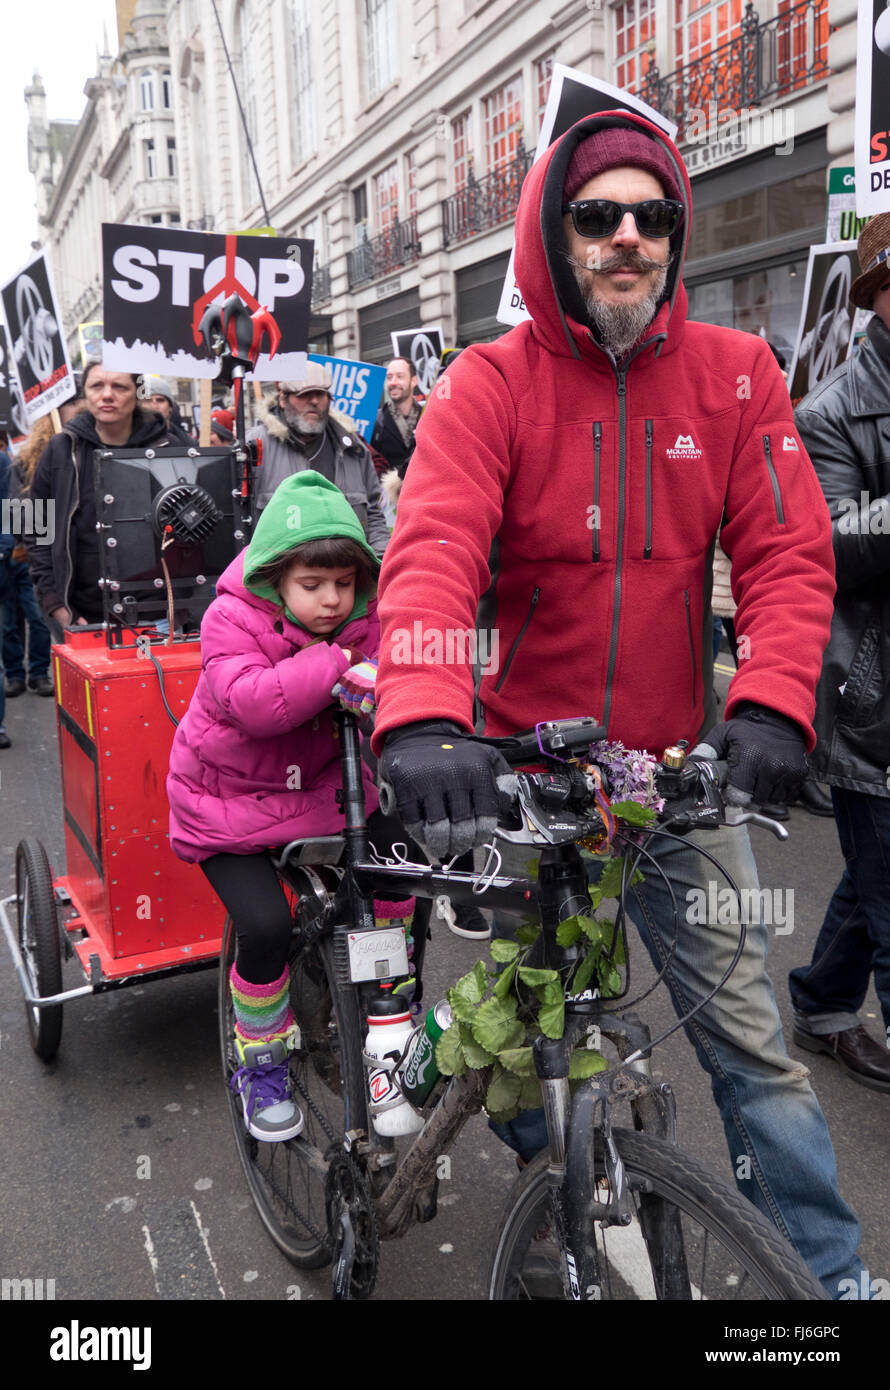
(262, 1082)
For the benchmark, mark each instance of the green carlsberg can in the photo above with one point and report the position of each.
(421, 1073)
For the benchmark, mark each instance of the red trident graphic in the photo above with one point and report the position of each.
(233, 327)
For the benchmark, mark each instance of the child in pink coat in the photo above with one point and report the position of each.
(255, 761)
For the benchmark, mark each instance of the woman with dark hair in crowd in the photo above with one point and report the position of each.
(66, 573)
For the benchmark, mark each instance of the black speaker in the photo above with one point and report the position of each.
(190, 498)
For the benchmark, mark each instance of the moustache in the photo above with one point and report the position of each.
(633, 260)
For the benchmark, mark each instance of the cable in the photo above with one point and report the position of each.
(243, 117)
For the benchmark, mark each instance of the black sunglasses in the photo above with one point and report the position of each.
(599, 217)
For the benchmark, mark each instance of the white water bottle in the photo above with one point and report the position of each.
(389, 1028)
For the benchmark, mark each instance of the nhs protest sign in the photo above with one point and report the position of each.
(39, 352)
(357, 388)
(572, 96)
(158, 282)
(826, 334)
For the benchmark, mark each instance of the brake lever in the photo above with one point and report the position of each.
(735, 815)
(735, 801)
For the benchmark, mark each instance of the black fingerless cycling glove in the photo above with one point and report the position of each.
(444, 784)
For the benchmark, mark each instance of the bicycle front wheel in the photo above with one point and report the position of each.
(721, 1248)
(287, 1180)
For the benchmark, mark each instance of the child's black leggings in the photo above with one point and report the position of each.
(251, 892)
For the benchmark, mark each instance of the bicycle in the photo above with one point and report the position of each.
(605, 1211)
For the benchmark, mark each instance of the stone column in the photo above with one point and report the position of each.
(842, 83)
(343, 317)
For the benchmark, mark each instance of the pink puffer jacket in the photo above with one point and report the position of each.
(255, 760)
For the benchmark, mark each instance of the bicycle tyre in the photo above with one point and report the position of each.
(40, 944)
(288, 1191)
(753, 1260)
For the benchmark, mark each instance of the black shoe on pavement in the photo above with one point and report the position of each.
(14, 687)
(5, 740)
(42, 686)
(467, 921)
(860, 1056)
(774, 809)
(814, 799)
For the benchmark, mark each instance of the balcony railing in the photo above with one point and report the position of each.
(486, 202)
(762, 62)
(393, 248)
(321, 285)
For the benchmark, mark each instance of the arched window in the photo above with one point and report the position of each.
(166, 89)
(147, 91)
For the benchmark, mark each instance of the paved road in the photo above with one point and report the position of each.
(135, 1089)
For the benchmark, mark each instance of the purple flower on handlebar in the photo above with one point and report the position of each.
(629, 772)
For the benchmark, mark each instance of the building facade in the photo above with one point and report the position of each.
(396, 134)
(118, 163)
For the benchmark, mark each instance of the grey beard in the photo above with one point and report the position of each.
(619, 326)
(307, 428)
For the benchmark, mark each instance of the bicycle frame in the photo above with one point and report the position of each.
(561, 884)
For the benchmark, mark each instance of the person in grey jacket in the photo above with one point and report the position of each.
(302, 431)
(845, 425)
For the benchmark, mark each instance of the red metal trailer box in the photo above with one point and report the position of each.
(146, 909)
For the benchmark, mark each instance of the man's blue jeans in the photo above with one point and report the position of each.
(21, 592)
(855, 936)
(778, 1139)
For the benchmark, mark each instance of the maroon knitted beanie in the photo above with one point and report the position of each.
(614, 146)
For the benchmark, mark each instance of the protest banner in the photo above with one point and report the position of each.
(158, 282)
(356, 389)
(39, 351)
(573, 95)
(872, 118)
(827, 330)
(423, 347)
(90, 335)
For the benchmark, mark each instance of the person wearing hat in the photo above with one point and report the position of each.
(605, 442)
(302, 431)
(845, 424)
(158, 393)
(222, 426)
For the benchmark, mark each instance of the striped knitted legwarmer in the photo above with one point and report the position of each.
(388, 913)
(262, 1012)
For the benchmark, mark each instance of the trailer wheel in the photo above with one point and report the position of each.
(39, 944)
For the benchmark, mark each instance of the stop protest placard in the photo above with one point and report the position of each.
(160, 280)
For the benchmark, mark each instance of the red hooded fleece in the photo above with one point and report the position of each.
(606, 489)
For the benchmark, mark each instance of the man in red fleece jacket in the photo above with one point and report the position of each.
(605, 443)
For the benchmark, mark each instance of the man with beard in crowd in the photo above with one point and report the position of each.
(397, 418)
(605, 443)
(302, 431)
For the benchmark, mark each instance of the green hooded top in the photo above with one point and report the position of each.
(305, 507)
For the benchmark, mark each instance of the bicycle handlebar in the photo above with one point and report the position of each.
(559, 805)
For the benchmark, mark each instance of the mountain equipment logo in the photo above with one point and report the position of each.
(685, 448)
(789, 442)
